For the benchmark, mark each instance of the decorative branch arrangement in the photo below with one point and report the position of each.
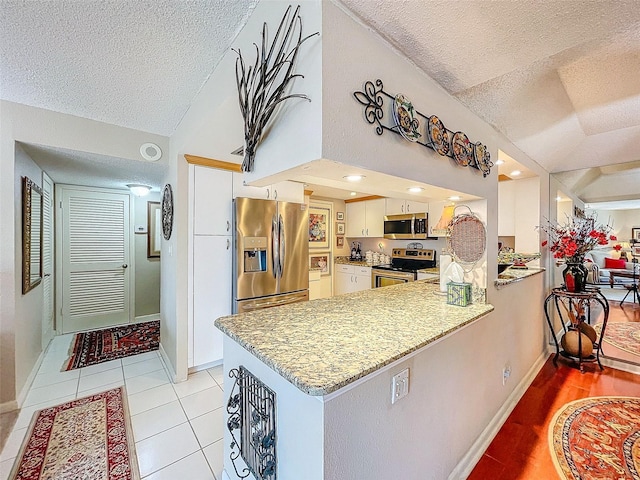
(262, 86)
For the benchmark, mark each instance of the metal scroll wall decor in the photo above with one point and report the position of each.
(252, 424)
(262, 86)
(428, 131)
(167, 211)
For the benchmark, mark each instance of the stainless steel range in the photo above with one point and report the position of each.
(405, 263)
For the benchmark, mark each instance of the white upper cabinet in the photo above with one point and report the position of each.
(288, 192)
(282, 191)
(366, 219)
(399, 206)
(242, 190)
(212, 201)
(507, 209)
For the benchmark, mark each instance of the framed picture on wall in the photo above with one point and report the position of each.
(154, 229)
(320, 261)
(319, 221)
(340, 228)
(635, 234)
(340, 216)
(339, 241)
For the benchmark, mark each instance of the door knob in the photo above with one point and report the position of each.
(124, 265)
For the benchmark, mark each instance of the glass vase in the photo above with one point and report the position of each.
(575, 277)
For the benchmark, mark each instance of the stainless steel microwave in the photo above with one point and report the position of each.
(410, 226)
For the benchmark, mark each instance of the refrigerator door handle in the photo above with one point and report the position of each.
(275, 246)
(282, 245)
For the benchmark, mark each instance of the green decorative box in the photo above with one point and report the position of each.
(458, 294)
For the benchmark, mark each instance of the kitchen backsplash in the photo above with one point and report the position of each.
(388, 245)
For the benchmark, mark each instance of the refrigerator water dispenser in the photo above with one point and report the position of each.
(255, 254)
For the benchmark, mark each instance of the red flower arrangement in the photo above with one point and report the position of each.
(572, 240)
(617, 247)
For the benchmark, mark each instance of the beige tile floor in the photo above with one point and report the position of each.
(177, 428)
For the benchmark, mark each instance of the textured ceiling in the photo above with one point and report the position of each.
(132, 63)
(82, 168)
(560, 78)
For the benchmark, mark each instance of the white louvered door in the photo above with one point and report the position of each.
(95, 263)
(47, 260)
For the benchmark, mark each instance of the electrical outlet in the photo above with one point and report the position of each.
(400, 385)
(506, 373)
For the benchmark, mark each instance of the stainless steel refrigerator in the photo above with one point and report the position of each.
(271, 262)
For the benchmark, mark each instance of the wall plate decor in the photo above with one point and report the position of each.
(405, 118)
(167, 211)
(437, 136)
(462, 149)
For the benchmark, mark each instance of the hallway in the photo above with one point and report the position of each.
(177, 428)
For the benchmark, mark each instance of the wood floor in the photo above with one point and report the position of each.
(520, 450)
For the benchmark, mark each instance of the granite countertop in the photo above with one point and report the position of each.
(323, 345)
(343, 260)
(511, 275)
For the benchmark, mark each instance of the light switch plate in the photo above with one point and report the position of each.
(400, 385)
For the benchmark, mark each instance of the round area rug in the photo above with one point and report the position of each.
(622, 335)
(597, 438)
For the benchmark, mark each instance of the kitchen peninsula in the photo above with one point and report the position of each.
(330, 363)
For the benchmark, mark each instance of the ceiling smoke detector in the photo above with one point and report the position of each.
(150, 152)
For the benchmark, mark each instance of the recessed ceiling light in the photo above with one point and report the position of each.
(499, 162)
(515, 173)
(415, 189)
(558, 199)
(353, 194)
(455, 198)
(353, 178)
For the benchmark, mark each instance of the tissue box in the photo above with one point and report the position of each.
(458, 294)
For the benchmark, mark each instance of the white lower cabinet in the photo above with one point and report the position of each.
(212, 259)
(352, 278)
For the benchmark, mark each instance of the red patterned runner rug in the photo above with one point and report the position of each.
(89, 438)
(97, 346)
(623, 335)
(597, 438)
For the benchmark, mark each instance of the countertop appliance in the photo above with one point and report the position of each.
(406, 227)
(271, 262)
(404, 266)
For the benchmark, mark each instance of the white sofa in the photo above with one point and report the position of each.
(598, 274)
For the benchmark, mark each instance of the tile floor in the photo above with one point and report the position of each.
(177, 428)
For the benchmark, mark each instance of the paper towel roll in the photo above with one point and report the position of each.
(445, 260)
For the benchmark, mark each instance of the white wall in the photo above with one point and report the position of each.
(21, 123)
(213, 128)
(28, 306)
(468, 371)
(621, 222)
(455, 391)
(147, 281)
(519, 212)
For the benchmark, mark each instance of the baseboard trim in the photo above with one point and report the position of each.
(167, 364)
(147, 318)
(8, 406)
(205, 366)
(20, 398)
(469, 461)
(620, 365)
